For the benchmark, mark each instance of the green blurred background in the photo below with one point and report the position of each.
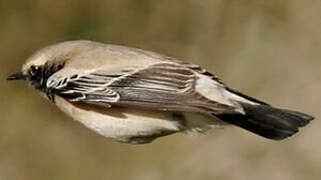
(268, 49)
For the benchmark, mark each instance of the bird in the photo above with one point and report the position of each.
(134, 96)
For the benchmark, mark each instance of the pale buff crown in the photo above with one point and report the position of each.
(62, 52)
(59, 52)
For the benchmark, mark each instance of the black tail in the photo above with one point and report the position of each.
(267, 121)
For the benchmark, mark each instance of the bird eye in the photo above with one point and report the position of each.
(34, 70)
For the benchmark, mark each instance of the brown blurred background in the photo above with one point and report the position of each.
(268, 49)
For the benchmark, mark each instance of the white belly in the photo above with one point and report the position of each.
(122, 124)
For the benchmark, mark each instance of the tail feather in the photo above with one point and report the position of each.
(267, 121)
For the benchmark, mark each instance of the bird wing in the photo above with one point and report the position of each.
(162, 86)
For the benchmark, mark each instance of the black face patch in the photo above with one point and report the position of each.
(35, 75)
(38, 76)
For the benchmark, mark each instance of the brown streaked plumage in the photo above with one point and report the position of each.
(135, 96)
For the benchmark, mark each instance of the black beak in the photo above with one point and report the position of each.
(16, 76)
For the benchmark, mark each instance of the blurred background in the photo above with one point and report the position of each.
(268, 49)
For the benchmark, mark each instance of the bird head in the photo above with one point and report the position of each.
(45, 62)
(39, 67)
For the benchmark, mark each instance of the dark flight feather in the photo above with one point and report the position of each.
(267, 121)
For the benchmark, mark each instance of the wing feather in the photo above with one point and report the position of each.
(163, 86)
(91, 89)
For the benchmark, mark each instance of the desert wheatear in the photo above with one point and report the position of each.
(135, 96)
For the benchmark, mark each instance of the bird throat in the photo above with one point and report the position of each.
(40, 82)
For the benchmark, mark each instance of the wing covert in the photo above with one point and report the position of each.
(91, 88)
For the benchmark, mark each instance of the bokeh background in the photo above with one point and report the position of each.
(268, 49)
